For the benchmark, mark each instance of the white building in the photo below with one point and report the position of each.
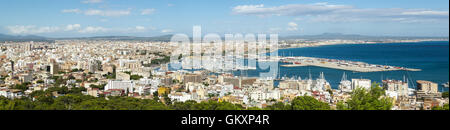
(363, 83)
(227, 88)
(260, 95)
(396, 86)
(180, 97)
(54, 68)
(117, 84)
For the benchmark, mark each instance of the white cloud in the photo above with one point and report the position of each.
(166, 31)
(31, 29)
(170, 5)
(72, 27)
(71, 11)
(91, 1)
(147, 11)
(136, 29)
(426, 12)
(140, 28)
(91, 29)
(324, 12)
(77, 28)
(292, 26)
(106, 13)
(292, 9)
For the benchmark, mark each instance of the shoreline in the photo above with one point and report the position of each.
(358, 43)
(346, 68)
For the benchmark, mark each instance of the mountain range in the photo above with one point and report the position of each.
(325, 36)
(4, 37)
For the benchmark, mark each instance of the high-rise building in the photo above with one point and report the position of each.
(195, 78)
(94, 65)
(12, 68)
(29, 47)
(427, 90)
(54, 68)
(397, 86)
(167, 80)
(427, 86)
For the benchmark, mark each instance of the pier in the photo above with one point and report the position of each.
(340, 64)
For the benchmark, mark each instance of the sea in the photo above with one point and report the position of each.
(432, 57)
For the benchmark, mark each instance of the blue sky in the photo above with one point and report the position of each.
(76, 18)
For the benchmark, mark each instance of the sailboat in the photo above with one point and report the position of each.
(345, 85)
(321, 83)
(445, 85)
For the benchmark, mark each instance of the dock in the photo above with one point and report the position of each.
(340, 64)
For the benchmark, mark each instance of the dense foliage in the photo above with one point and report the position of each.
(73, 99)
(79, 102)
(445, 94)
(135, 77)
(445, 107)
(362, 99)
(308, 103)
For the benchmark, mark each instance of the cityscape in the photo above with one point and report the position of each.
(98, 68)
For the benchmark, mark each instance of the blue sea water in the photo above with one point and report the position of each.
(431, 57)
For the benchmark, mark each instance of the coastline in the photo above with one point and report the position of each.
(386, 42)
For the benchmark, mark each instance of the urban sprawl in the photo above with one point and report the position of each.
(140, 69)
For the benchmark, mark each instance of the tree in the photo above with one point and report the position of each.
(155, 96)
(180, 56)
(167, 100)
(67, 102)
(445, 94)
(40, 81)
(445, 107)
(279, 106)
(101, 87)
(362, 99)
(77, 90)
(187, 105)
(341, 106)
(308, 103)
(22, 87)
(135, 77)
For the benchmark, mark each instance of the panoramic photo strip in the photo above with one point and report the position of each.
(224, 63)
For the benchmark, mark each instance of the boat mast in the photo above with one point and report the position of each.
(310, 77)
(344, 77)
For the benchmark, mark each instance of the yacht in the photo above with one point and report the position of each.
(445, 85)
(345, 84)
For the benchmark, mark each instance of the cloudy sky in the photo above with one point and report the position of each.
(75, 18)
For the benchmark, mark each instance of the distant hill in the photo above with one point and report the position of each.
(122, 38)
(327, 36)
(19, 38)
(166, 38)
